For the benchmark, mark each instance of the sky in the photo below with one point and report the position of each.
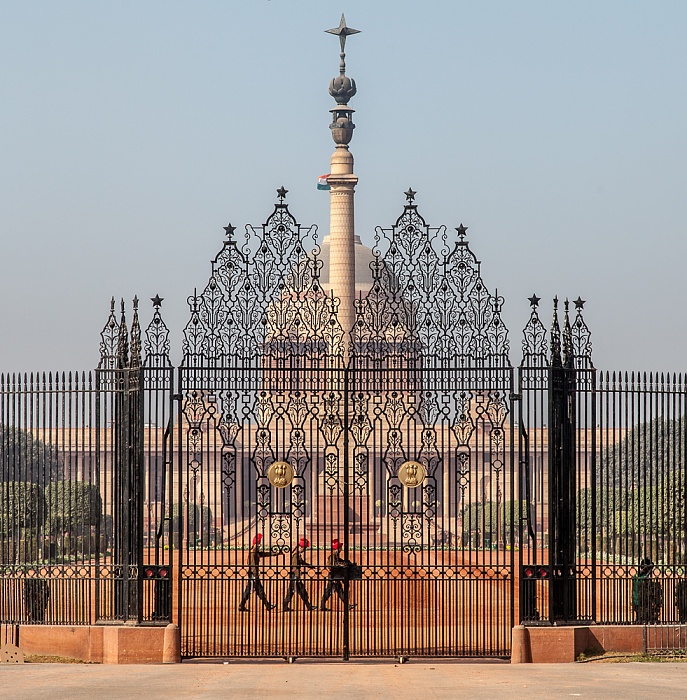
(131, 132)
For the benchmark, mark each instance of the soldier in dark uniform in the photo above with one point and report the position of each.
(337, 572)
(298, 563)
(647, 594)
(254, 583)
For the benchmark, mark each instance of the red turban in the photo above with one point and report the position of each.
(257, 539)
(304, 543)
(336, 544)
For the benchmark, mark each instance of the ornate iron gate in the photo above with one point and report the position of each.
(376, 468)
(390, 448)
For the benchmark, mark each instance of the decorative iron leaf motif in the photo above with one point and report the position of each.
(394, 454)
(263, 454)
(263, 503)
(331, 426)
(463, 424)
(228, 468)
(297, 412)
(229, 424)
(429, 407)
(109, 340)
(156, 342)
(429, 455)
(581, 340)
(394, 409)
(361, 426)
(360, 471)
(534, 345)
(194, 408)
(332, 475)
(429, 500)
(297, 501)
(395, 499)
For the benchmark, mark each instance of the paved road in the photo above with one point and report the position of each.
(357, 680)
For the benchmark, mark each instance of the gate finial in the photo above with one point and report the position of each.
(555, 336)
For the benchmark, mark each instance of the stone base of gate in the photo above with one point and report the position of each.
(105, 644)
(566, 643)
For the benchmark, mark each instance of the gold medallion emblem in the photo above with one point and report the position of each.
(280, 474)
(411, 474)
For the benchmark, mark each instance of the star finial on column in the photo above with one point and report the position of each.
(534, 301)
(410, 195)
(281, 193)
(157, 301)
(462, 230)
(342, 31)
(229, 230)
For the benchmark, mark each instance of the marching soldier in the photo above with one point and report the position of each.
(337, 573)
(254, 583)
(298, 563)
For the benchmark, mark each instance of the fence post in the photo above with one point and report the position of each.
(128, 475)
(562, 473)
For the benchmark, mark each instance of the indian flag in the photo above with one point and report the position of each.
(322, 183)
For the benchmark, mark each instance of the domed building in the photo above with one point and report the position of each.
(363, 259)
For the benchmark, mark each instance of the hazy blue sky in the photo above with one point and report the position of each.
(132, 131)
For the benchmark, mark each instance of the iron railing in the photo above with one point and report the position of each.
(466, 494)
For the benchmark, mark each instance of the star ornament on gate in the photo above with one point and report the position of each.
(229, 230)
(281, 193)
(579, 303)
(534, 301)
(157, 301)
(410, 195)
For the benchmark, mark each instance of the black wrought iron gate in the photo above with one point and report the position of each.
(376, 468)
(301, 448)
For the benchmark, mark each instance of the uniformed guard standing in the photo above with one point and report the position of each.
(647, 594)
(254, 583)
(337, 573)
(298, 563)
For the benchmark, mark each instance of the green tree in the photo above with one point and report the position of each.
(72, 506)
(22, 506)
(25, 458)
(22, 511)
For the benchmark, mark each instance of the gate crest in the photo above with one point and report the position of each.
(264, 299)
(428, 300)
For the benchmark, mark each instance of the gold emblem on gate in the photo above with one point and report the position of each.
(280, 474)
(411, 474)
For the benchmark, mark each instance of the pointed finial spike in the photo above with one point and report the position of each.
(135, 302)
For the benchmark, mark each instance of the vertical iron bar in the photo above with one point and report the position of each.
(347, 505)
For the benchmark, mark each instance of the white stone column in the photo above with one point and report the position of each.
(342, 184)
